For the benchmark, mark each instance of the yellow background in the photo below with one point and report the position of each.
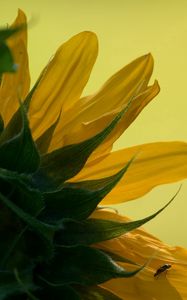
(126, 29)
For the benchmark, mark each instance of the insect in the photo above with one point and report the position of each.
(162, 269)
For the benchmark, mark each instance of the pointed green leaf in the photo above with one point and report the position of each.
(64, 163)
(96, 230)
(82, 265)
(118, 258)
(78, 200)
(45, 231)
(6, 59)
(20, 153)
(1, 121)
(44, 140)
(96, 292)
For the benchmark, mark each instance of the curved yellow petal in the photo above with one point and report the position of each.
(155, 164)
(91, 114)
(137, 105)
(140, 247)
(63, 81)
(15, 86)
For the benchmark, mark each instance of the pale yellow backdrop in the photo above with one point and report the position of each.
(126, 29)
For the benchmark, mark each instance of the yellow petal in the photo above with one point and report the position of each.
(140, 246)
(15, 86)
(155, 164)
(63, 81)
(89, 115)
(136, 107)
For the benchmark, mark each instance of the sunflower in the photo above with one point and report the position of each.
(57, 167)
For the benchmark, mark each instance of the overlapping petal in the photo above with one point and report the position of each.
(155, 164)
(91, 114)
(140, 247)
(15, 86)
(63, 81)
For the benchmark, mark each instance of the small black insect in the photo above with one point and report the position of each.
(162, 269)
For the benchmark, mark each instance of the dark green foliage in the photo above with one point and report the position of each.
(20, 153)
(47, 234)
(31, 220)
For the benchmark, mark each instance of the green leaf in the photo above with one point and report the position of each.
(20, 153)
(64, 163)
(96, 230)
(9, 285)
(45, 231)
(78, 200)
(44, 140)
(1, 123)
(96, 292)
(6, 59)
(81, 265)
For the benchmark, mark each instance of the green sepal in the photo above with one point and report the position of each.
(81, 265)
(118, 258)
(64, 163)
(96, 292)
(92, 231)
(44, 140)
(43, 230)
(9, 285)
(78, 200)
(6, 59)
(20, 153)
(1, 124)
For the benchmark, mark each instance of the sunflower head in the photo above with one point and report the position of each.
(50, 232)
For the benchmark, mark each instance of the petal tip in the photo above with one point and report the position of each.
(149, 57)
(89, 38)
(89, 34)
(21, 17)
